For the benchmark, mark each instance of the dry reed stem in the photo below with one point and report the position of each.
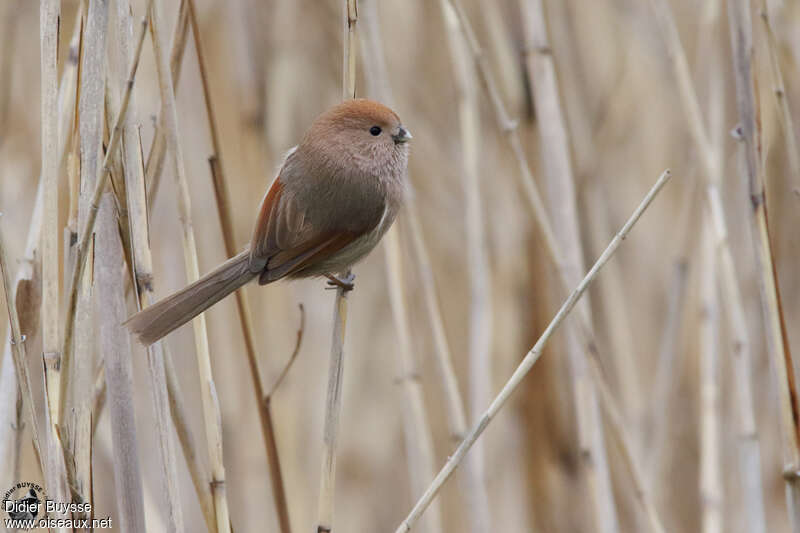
(211, 412)
(180, 418)
(276, 477)
(245, 318)
(552, 248)
(753, 181)
(55, 470)
(49, 27)
(116, 350)
(709, 153)
(77, 371)
(94, 202)
(158, 149)
(416, 426)
(779, 90)
(480, 314)
(16, 338)
(333, 400)
(710, 478)
(655, 432)
(142, 277)
(528, 361)
(555, 150)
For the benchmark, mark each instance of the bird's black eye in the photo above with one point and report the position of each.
(375, 130)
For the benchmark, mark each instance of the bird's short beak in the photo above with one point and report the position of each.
(403, 136)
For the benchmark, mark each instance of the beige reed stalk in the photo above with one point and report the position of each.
(564, 218)
(210, 402)
(753, 181)
(711, 160)
(55, 470)
(779, 90)
(116, 349)
(710, 478)
(245, 318)
(552, 249)
(333, 402)
(142, 276)
(416, 425)
(77, 370)
(158, 148)
(527, 362)
(480, 325)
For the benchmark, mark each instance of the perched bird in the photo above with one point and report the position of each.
(335, 195)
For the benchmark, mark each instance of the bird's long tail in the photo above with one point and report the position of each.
(157, 320)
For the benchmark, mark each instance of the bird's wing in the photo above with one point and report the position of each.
(284, 241)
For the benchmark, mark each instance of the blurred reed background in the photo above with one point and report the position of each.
(599, 97)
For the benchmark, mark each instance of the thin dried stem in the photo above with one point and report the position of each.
(211, 412)
(552, 248)
(245, 318)
(94, 202)
(560, 178)
(753, 182)
(527, 363)
(710, 479)
(710, 155)
(416, 427)
(333, 399)
(77, 372)
(782, 99)
(116, 349)
(276, 477)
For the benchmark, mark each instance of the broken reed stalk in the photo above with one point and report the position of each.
(555, 149)
(116, 349)
(16, 338)
(528, 361)
(333, 398)
(752, 172)
(245, 318)
(210, 402)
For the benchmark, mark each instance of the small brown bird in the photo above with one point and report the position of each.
(335, 196)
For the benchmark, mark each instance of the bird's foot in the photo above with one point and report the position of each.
(347, 283)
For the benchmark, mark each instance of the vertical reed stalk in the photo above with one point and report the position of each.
(753, 182)
(709, 153)
(77, 371)
(333, 403)
(710, 478)
(116, 349)
(55, 470)
(245, 320)
(211, 412)
(564, 217)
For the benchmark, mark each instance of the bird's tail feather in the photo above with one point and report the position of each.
(157, 320)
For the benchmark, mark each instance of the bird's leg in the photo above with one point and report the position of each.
(347, 283)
